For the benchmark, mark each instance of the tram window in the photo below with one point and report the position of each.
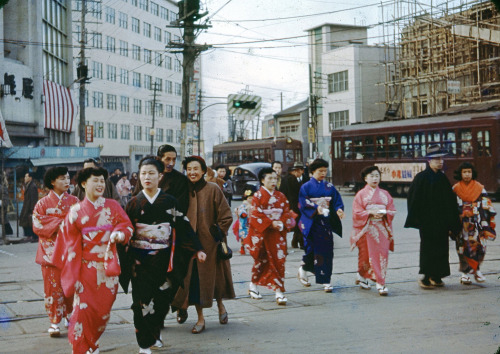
(267, 155)
(297, 155)
(392, 140)
(278, 155)
(465, 143)
(380, 141)
(483, 143)
(369, 150)
(406, 145)
(289, 158)
(336, 149)
(449, 143)
(419, 144)
(358, 149)
(434, 137)
(348, 152)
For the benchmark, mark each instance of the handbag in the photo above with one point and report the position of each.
(223, 251)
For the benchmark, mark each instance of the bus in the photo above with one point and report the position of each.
(283, 149)
(398, 149)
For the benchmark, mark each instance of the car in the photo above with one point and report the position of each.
(246, 174)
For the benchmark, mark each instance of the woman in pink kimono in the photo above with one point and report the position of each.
(372, 214)
(48, 216)
(85, 251)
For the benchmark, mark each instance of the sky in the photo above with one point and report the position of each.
(278, 65)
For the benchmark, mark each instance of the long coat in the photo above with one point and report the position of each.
(208, 206)
(30, 200)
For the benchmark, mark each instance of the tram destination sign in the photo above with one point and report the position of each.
(400, 172)
(244, 105)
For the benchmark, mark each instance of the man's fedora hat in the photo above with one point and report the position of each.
(435, 150)
(297, 166)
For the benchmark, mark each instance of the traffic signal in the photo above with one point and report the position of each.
(10, 81)
(27, 87)
(244, 104)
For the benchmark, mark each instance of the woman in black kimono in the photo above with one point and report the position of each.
(158, 254)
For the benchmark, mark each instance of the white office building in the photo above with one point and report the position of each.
(126, 57)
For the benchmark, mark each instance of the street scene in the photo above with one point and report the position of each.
(249, 176)
(454, 319)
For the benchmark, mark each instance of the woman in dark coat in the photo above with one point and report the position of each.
(211, 279)
(30, 200)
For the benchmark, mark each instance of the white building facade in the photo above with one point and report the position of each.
(126, 58)
(346, 76)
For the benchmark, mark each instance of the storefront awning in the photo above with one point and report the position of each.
(60, 110)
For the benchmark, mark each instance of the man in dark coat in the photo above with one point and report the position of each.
(30, 200)
(173, 182)
(109, 189)
(290, 187)
(432, 209)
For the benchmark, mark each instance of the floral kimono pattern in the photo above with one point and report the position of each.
(372, 236)
(478, 224)
(48, 216)
(267, 245)
(90, 267)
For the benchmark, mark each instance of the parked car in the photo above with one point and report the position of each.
(246, 174)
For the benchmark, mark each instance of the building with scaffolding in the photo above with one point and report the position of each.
(447, 57)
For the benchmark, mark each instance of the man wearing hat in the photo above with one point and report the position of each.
(432, 209)
(290, 187)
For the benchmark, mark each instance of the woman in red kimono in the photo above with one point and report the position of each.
(85, 251)
(48, 215)
(270, 219)
(372, 214)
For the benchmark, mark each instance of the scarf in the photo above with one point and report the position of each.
(197, 186)
(468, 192)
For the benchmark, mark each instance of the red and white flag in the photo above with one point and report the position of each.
(60, 110)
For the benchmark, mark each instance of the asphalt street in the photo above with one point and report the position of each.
(453, 319)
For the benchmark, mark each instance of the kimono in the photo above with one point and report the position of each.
(432, 208)
(372, 236)
(211, 279)
(157, 261)
(243, 212)
(48, 216)
(478, 224)
(89, 267)
(318, 229)
(267, 245)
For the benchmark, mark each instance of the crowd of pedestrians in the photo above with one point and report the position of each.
(165, 233)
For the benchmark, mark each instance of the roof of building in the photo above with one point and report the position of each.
(297, 108)
(339, 25)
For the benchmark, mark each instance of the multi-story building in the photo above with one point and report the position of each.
(126, 58)
(346, 74)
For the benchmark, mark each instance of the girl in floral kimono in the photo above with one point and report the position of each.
(372, 214)
(243, 213)
(321, 209)
(270, 219)
(478, 223)
(48, 216)
(85, 252)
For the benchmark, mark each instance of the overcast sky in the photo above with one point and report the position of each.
(272, 67)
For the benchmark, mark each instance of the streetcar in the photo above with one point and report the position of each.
(283, 149)
(398, 149)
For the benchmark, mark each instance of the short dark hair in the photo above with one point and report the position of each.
(52, 174)
(195, 158)
(86, 173)
(463, 166)
(265, 171)
(91, 160)
(367, 170)
(220, 166)
(278, 162)
(152, 160)
(318, 163)
(30, 173)
(165, 148)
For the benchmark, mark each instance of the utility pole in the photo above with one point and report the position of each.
(199, 123)
(153, 110)
(188, 15)
(82, 75)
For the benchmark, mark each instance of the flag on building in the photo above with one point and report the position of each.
(4, 136)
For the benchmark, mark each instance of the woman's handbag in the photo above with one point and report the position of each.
(223, 251)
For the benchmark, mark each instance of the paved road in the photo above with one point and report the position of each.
(455, 319)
